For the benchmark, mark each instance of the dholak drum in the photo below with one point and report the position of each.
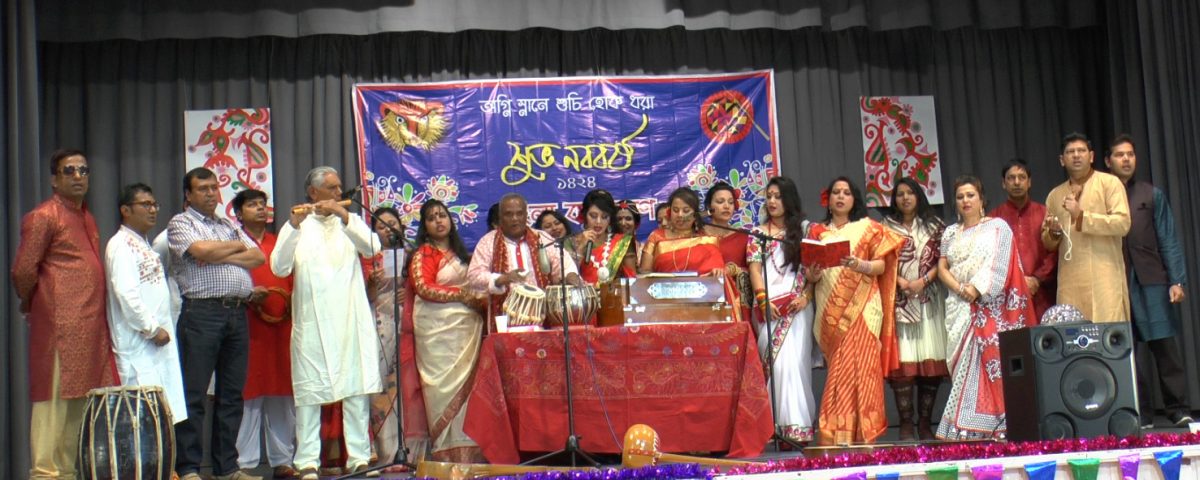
(127, 434)
(582, 303)
(525, 306)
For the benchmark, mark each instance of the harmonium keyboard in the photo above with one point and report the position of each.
(664, 298)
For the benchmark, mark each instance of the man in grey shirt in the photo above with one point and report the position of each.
(211, 261)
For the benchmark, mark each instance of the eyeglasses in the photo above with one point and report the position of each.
(147, 204)
(71, 170)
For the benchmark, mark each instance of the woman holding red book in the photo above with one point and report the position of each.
(855, 318)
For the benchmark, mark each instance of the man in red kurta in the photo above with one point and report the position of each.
(268, 407)
(1024, 216)
(58, 273)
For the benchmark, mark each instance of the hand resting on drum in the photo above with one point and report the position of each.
(512, 276)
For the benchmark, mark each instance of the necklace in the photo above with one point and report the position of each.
(775, 247)
(602, 272)
(675, 260)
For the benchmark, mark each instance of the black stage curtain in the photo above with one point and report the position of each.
(72, 21)
(1000, 93)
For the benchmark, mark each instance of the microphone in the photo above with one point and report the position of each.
(554, 243)
(351, 193)
(587, 251)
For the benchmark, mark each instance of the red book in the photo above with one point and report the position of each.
(823, 254)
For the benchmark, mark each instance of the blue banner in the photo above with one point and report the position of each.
(553, 139)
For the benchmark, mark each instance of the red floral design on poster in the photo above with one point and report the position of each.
(899, 140)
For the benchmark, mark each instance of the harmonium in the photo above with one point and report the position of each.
(664, 298)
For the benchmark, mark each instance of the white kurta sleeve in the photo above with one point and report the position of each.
(479, 273)
(361, 236)
(124, 281)
(283, 258)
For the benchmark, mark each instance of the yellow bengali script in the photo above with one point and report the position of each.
(529, 161)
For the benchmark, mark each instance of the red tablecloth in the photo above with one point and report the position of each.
(700, 386)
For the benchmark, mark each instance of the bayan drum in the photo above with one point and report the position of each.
(127, 434)
(582, 303)
(525, 306)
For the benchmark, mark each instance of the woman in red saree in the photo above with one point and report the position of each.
(721, 201)
(855, 319)
(982, 270)
(447, 331)
(612, 253)
(686, 248)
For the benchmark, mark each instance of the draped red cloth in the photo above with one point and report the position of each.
(700, 386)
(269, 368)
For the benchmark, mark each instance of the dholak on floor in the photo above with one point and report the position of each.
(127, 434)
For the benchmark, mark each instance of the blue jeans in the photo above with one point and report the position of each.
(212, 338)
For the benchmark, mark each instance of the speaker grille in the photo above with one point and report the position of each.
(1088, 387)
(1048, 345)
(1057, 427)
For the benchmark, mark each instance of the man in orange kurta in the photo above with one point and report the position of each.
(1087, 218)
(58, 273)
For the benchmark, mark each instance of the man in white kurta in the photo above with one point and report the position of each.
(335, 353)
(139, 303)
(514, 254)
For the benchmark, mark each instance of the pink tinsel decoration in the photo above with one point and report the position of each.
(974, 451)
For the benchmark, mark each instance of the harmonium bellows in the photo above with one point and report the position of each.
(669, 298)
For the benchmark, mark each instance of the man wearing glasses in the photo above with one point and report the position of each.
(211, 260)
(59, 278)
(1086, 219)
(139, 302)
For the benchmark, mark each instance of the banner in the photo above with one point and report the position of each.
(943, 473)
(554, 139)
(899, 140)
(235, 144)
(1129, 466)
(1084, 468)
(988, 472)
(1169, 462)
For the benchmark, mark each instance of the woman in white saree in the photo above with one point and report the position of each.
(447, 331)
(980, 266)
(791, 337)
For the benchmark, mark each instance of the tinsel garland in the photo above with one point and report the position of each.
(887, 456)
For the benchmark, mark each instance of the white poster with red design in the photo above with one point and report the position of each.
(235, 144)
(899, 137)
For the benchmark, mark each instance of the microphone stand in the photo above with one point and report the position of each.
(763, 241)
(572, 450)
(401, 457)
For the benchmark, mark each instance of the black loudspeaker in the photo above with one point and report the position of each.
(1070, 380)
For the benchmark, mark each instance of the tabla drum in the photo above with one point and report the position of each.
(127, 434)
(582, 303)
(525, 306)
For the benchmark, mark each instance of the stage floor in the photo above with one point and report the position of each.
(888, 440)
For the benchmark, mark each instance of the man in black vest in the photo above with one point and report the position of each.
(1157, 275)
